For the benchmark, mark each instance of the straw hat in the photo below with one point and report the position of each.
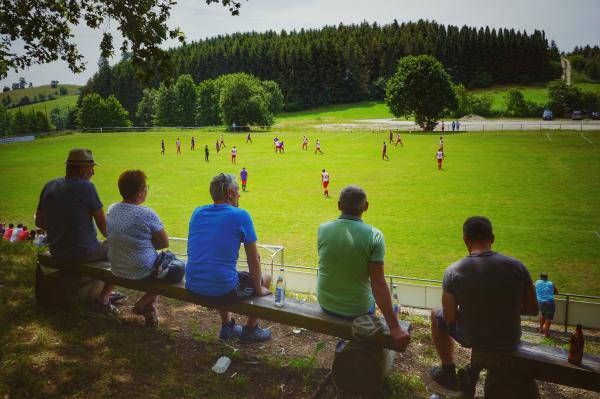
(80, 157)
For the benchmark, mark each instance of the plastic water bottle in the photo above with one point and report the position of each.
(395, 301)
(280, 289)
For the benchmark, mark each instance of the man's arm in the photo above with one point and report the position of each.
(100, 220)
(381, 292)
(254, 268)
(530, 304)
(160, 239)
(449, 307)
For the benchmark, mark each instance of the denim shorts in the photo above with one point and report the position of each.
(244, 289)
(451, 328)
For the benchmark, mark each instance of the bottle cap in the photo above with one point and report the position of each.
(281, 269)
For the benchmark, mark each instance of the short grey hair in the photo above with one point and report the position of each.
(220, 184)
(352, 200)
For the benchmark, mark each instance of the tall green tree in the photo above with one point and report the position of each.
(5, 121)
(275, 96)
(208, 112)
(185, 92)
(420, 87)
(244, 101)
(114, 113)
(165, 107)
(90, 112)
(145, 108)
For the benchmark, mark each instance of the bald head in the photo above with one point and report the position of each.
(353, 201)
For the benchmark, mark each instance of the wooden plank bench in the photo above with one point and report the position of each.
(544, 363)
(295, 313)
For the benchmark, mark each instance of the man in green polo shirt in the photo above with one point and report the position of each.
(351, 277)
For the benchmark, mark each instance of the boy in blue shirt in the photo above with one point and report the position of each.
(545, 291)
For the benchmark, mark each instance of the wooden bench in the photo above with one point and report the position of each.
(541, 362)
(295, 313)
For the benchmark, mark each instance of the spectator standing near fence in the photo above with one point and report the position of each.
(215, 234)
(68, 209)
(351, 278)
(545, 291)
(484, 295)
(135, 232)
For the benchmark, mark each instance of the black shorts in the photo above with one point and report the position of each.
(244, 289)
(547, 310)
(451, 328)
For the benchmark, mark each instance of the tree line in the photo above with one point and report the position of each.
(345, 63)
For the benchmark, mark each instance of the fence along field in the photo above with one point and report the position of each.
(540, 194)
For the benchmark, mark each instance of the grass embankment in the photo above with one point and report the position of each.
(59, 101)
(540, 190)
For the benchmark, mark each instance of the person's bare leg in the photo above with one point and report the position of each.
(542, 322)
(147, 299)
(225, 316)
(105, 293)
(443, 342)
(266, 282)
(547, 328)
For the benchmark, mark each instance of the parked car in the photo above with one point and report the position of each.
(595, 115)
(547, 115)
(577, 116)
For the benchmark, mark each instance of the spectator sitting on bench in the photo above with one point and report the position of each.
(135, 232)
(351, 276)
(67, 210)
(215, 234)
(545, 291)
(484, 296)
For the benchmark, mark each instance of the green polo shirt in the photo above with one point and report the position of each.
(346, 246)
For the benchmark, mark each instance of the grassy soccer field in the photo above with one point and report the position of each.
(540, 189)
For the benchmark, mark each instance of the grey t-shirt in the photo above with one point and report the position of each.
(130, 250)
(488, 289)
(67, 205)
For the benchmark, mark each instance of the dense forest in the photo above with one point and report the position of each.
(347, 63)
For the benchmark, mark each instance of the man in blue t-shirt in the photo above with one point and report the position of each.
(215, 234)
(545, 291)
(68, 208)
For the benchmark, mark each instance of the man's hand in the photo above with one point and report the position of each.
(401, 338)
(263, 291)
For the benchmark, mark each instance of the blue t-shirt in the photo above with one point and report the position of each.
(214, 237)
(67, 205)
(544, 291)
(130, 250)
(244, 174)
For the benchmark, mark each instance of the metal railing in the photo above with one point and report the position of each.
(275, 250)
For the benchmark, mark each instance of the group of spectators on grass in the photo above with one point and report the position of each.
(484, 293)
(20, 233)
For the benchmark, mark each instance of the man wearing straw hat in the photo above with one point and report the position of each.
(67, 210)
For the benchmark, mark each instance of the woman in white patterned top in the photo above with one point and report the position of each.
(135, 232)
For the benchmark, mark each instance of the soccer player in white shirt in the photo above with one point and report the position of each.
(305, 143)
(233, 154)
(318, 147)
(325, 181)
(439, 155)
(178, 145)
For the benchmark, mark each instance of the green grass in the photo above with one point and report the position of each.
(537, 94)
(542, 195)
(62, 102)
(15, 95)
(335, 113)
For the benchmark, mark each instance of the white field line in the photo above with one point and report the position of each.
(586, 139)
(548, 135)
(598, 234)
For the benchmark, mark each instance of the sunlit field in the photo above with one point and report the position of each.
(540, 189)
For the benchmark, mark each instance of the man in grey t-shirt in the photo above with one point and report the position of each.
(484, 296)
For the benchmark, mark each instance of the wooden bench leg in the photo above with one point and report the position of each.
(56, 288)
(359, 368)
(506, 384)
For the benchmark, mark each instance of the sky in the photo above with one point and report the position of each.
(569, 23)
